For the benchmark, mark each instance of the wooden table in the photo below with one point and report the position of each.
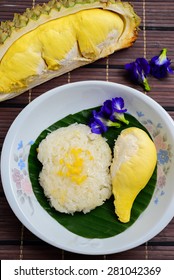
(156, 33)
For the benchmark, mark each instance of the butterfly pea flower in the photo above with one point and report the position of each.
(114, 105)
(138, 71)
(160, 65)
(118, 105)
(114, 109)
(107, 109)
(99, 124)
(111, 114)
(119, 110)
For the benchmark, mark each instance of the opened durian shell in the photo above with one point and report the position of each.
(12, 39)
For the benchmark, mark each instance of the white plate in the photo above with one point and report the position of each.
(56, 104)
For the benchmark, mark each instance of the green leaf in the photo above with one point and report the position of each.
(101, 222)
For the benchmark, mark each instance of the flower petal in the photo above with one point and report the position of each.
(106, 109)
(160, 65)
(118, 105)
(143, 65)
(97, 128)
(98, 123)
(132, 69)
(138, 71)
(111, 114)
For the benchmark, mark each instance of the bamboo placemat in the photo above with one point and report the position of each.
(156, 33)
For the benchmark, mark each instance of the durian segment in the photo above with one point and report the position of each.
(134, 161)
(96, 27)
(45, 47)
(50, 40)
(57, 39)
(21, 62)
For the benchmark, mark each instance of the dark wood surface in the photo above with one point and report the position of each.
(156, 33)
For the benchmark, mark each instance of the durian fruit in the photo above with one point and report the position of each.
(134, 161)
(51, 39)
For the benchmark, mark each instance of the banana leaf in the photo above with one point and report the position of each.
(101, 222)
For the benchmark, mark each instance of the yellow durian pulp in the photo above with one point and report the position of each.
(134, 161)
(55, 37)
(83, 36)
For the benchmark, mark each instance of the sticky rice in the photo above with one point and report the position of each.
(75, 174)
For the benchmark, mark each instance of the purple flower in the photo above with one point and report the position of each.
(110, 114)
(119, 110)
(118, 105)
(107, 108)
(138, 72)
(160, 65)
(98, 123)
(114, 109)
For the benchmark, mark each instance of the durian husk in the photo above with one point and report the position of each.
(31, 19)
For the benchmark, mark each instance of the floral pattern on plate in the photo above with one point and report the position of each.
(20, 174)
(164, 153)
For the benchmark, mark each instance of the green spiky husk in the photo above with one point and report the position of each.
(34, 13)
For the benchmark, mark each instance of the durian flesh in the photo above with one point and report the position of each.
(134, 161)
(59, 39)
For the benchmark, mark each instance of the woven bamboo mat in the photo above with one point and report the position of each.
(156, 33)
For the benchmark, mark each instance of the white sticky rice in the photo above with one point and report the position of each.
(75, 174)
